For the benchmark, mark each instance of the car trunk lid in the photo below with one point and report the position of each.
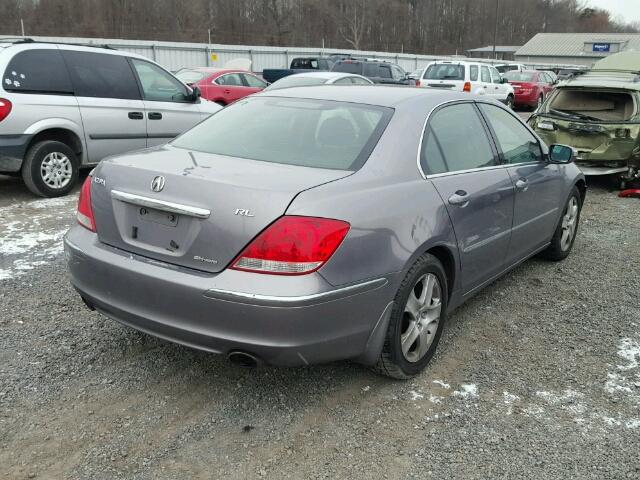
(208, 209)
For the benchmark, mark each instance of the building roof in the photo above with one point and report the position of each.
(499, 49)
(573, 44)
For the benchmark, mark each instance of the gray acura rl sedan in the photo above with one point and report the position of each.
(314, 224)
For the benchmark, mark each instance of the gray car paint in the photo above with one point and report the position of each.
(342, 310)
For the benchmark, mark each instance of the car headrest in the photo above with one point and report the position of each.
(336, 132)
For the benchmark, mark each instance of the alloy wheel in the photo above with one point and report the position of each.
(56, 170)
(421, 317)
(569, 224)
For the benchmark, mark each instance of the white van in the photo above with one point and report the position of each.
(462, 76)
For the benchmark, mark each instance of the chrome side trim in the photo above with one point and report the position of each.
(178, 208)
(289, 301)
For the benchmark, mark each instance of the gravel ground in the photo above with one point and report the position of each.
(537, 377)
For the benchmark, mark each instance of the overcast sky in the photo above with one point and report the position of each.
(626, 10)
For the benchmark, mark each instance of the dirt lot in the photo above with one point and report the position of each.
(536, 377)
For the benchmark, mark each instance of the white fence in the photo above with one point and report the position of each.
(175, 55)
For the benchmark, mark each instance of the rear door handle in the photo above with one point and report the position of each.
(136, 115)
(459, 199)
(155, 116)
(522, 184)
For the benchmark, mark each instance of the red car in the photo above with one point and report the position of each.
(530, 86)
(222, 86)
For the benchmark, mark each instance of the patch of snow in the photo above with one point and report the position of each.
(509, 399)
(435, 399)
(629, 349)
(442, 384)
(467, 390)
(415, 395)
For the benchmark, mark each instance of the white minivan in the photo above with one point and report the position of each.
(472, 77)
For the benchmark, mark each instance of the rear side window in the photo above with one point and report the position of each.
(311, 133)
(473, 73)
(431, 158)
(444, 71)
(348, 67)
(448, 126)
(254, 82)
(230, 80)
(37, 71)
(101, 75)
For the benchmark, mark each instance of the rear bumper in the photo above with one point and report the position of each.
(12, 150)
(210, 312)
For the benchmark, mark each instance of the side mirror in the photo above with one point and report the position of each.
(503, 80)
(561, 154)
(195, 94)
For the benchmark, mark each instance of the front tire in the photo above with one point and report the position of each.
(567, 229)
(417, 320)
(50, 169)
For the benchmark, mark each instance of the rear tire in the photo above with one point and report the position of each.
(417, 320)
(510, 102)
(567, 229)
(50, 169)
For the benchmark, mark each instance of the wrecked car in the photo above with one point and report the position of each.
(598, 114)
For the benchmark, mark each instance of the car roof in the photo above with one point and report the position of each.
(325, 75)
(384, 96)
(621, 62)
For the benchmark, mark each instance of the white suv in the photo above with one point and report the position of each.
(65, 107)
(476, 78)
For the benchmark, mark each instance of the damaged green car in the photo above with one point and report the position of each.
(598, 114)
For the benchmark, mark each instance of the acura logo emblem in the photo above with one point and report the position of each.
(157, 184)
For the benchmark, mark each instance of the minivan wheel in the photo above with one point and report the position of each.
(417, 320)
(567, 229)
(50, 169)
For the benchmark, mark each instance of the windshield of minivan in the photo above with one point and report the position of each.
(444, 71)
(305, 132)
(191, 76)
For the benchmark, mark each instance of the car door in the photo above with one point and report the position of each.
(485, 82)
(168, 107)
(547, 83)
(538, 183)
(499, 91)
(110, 104)
(476, 190)
(233, 87)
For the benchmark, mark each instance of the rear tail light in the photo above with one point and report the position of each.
(467, 87)
(292, 245)
(5, 108)
(85, 210)
(417, 83)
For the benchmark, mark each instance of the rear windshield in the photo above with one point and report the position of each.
(444, 71)
(348, 67)
(520, 76)
(305, 132)
(296, 81)
(191, 76)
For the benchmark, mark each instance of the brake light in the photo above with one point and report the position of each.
(292, 245)
(467, 87)
(5, 108)
(85, 210)
(417, 83)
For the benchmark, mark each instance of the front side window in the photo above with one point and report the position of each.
(305, 132)
(158, 85)
(451, 124)
(37, 71)
(254, 82)
(485, 75)
(101, 75)
(518, 145)
(495, 75)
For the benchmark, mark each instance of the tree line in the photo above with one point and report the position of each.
(414, 26)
